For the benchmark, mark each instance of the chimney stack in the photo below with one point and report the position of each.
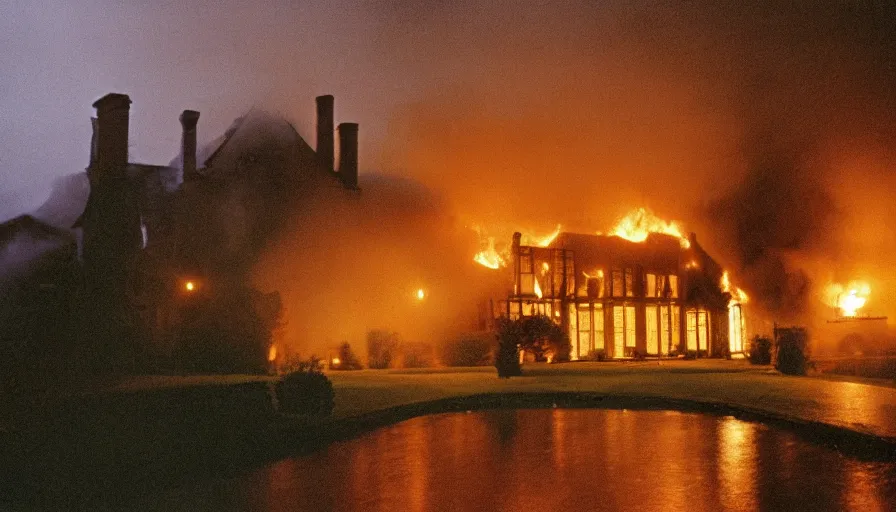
(348, 154)
(111, 158)
(325, 131)
(188, 120)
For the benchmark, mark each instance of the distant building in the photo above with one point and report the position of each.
(659, 297)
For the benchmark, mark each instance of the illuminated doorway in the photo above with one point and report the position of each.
(736, 328)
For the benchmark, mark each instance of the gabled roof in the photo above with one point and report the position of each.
(258, 132)
(224, 155)
(30, 226)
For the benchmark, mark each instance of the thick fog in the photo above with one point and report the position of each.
(767, 130)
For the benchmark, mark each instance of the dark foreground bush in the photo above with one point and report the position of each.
(760, 350)
(306, 391)
(690, 355)
(507, 360)
(792, 351)
(469, 349)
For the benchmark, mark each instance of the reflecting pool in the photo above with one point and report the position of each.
(556, 459)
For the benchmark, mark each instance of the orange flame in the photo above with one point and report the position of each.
(738, 296)
(272, 353)
(490, 257)
(599, 273)
(546, 241)
(537, 289)
(638, 224)
(849, 299)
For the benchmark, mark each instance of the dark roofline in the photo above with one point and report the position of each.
(27, 221)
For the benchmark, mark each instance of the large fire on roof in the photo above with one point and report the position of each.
(636, 226)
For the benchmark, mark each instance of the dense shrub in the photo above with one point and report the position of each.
(507, 360)
(690, 355)
(637, 355)
(597, 355)
(306, 391)
(468, 349)
(382, 348)
(792, 350)
(542, 337)
(417, 355)
(760, 350)
(347, 358)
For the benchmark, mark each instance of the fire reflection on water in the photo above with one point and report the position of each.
(559, 459)
(737, 463)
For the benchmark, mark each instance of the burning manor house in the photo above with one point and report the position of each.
(636, 292)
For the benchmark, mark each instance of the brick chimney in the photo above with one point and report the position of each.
(348, 154)
(111, 156)
(188, 120)
(325, 131)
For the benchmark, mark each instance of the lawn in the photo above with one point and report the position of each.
(861, 407)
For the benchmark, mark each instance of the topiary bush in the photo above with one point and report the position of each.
(760, 350)
(792, 351)
(544, 339)
(306, 391)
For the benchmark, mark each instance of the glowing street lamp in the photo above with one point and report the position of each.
(189, 286)
(421, 294)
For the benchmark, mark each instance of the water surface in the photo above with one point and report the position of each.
(556, 459)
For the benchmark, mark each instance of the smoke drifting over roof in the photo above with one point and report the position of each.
(766, 129)
(529, 113)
